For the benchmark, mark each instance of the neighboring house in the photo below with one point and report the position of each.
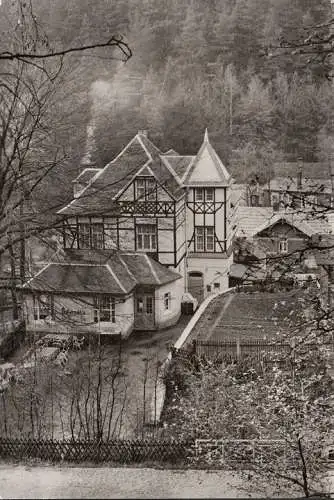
(161, 210)
(298, 193)
(262, 235)
(102, 292)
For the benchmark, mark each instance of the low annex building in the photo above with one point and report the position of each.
(102, 292)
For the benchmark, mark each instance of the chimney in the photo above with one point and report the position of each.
(300, 173)
(87, 160)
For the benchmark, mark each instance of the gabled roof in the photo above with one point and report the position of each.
(101, 272)
(178, 164)
(253, 220)
(109, 182)
(86, 175)
(207, 168)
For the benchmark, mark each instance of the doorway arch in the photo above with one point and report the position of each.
(196, 285)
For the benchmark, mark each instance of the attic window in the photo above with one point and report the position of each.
(283, 246)
(209, 195)
(199, 194)
(145, 189)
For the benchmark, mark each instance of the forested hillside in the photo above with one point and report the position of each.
(195, 64)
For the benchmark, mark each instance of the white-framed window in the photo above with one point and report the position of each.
(146, 237)
(90, 235)
(84, 235)
(209, 194)
(167, 300)
(140, 189)
(204, 239)
(209, 239)
(104, 309)
(283, 245)
(199, 194)
(145, 189)
(199, 239)
(149, 305)
(140, 305)
(150, 189)
(97, 236)
(43, 306)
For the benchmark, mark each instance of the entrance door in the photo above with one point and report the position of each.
(144, 311)
(196, 285)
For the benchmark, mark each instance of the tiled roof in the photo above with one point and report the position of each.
(179, 164)
(148, 271)
(100, 272)
(207, 162)
(86, 175)
(116, 175)
(252, 220)
(75, 278)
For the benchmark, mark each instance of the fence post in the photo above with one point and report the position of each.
(238, 348)
(194, 347)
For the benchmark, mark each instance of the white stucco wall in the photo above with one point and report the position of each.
(214, 270)
(76, 315)
(167, 317)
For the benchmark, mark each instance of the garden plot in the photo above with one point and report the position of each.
(258, 315)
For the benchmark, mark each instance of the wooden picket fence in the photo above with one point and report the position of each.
(237, 349)
(118, 451)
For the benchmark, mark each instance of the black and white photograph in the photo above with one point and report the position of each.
(167, 249)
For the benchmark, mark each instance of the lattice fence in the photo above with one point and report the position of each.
(119, 451)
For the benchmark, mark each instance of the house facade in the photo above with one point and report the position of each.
(170, 213)
(173, 207)
(109, 293)
(265, 236)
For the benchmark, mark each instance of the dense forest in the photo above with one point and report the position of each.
(195, 64)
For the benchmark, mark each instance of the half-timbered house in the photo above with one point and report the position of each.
(173, 209)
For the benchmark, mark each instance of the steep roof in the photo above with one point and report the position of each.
(207, 168)
(179, 164)
(108, 183)
(98, 272)
(86, 175)
(253, 220)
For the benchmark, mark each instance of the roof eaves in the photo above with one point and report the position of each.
(25, 285)
(152, 269)
(113, 274)
(171, 170)
(144, 148)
